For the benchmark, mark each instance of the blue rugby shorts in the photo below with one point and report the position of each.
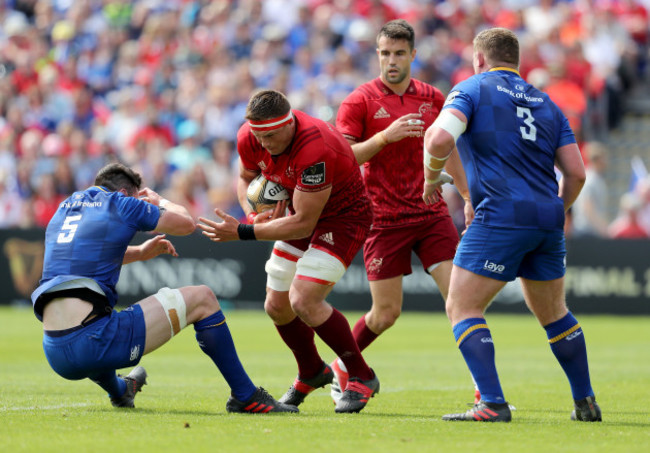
(506, 253)
(113, 342)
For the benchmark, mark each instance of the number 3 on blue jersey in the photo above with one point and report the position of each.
(531, 132)
(69, 228)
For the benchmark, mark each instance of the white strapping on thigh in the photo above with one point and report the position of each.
(173, 303)
(281, 266)
(318, 265)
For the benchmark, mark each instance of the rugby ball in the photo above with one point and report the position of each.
(263, 194)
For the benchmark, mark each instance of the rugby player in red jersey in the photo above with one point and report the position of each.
(329, 222)
(384, 120)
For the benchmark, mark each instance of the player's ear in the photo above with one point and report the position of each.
(479, 59)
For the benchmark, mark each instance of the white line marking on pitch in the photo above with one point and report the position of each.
(34, 408)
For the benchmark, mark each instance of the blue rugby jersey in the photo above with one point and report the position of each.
(508, 149)
(88, 237)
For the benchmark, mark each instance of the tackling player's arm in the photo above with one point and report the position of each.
(174, 219)
(150, 248)
(569, 161)
(439, 144)
(406, 126)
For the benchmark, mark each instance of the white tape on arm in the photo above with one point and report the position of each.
(434, 163)
(450, 123)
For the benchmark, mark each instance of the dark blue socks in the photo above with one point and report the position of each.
(114, 386)
(475, 343)
(568, 344)
(215, 340)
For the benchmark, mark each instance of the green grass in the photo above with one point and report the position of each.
(422, 377)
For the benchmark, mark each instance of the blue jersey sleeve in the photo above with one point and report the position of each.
(462, 97)
(141, 215)
(565, 136)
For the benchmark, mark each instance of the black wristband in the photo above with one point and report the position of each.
(246, 232)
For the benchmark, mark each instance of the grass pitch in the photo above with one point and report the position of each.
(422, 377)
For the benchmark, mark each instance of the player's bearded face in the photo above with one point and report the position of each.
(395, 58)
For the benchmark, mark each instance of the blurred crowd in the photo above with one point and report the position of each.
(162, 85)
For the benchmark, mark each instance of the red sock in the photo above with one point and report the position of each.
(336, 334)
(300, 339)
(362, 334)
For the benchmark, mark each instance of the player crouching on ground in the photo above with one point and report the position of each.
(86, 243)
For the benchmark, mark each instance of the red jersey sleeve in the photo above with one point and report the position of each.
(351, 117)
(315, 173)
(438, 100)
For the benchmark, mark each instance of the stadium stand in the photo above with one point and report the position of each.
(162, 85)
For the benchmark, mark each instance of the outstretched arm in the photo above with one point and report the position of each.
(150, 248)
(174, 218)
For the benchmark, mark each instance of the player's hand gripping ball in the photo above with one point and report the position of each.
(263, 194)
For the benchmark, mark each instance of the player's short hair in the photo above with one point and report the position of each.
(267, 104)
(398, 29)
(499, 45)
(116, 176)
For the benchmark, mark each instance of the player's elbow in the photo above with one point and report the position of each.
(577, 178)
(186, 226)
(437, 141)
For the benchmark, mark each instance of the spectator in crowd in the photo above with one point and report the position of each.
(46, 200)
(221, 178)
(189, 152)
(11, 204)
(627, 225)
(590, 215)
(643, 190)
(99, 65)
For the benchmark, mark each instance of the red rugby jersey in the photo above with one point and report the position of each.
(317, 158)
(394, 177)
